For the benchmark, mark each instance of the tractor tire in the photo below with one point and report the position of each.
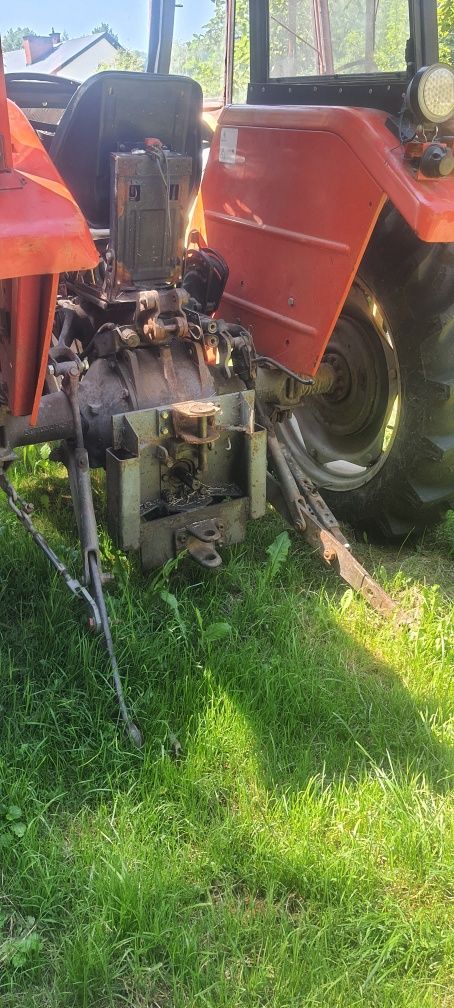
(408, 285)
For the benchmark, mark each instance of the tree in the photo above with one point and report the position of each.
(126, 59)
(104, 27)
(365, 34)
(130, 59)
(13, 38)
(202, 57)
(446, 30)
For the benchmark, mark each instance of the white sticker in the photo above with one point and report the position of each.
(228, 145)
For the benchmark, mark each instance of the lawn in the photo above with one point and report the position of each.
(284, 839)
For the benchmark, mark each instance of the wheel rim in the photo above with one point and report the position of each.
(343, 439)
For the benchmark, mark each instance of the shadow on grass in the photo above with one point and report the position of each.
(126, 852)
(316, 699)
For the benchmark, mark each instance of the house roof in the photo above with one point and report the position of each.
(63, 54)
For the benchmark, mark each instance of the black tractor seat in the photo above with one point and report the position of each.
(114, 110)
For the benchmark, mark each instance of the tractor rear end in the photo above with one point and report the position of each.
(258, 357)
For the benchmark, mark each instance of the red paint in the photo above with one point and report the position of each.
(42, 234)
(293, 215)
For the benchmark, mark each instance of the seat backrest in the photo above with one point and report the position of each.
(118, 107)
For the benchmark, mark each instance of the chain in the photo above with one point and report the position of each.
(99, 620)
(22, 509)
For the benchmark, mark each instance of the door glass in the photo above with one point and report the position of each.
(199, 44)
(313, 37)
(241, 56)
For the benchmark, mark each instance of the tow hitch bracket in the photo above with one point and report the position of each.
(199, 540)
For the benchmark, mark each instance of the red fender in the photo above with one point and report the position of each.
(290, 197)
(42, 234)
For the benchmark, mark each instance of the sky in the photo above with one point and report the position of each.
(80, 17)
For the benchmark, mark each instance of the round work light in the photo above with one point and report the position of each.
(430, 95)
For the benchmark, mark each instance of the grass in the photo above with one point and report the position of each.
(285, 837)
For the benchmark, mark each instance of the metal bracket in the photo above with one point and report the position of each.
(194, 422)
(199, 539)
(311, 516)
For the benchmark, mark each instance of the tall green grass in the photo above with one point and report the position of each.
(285, 837)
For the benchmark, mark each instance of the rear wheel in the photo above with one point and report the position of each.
(381, 445)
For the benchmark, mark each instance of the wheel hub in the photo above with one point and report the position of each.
(340, 438)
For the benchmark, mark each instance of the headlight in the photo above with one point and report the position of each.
(430, 95)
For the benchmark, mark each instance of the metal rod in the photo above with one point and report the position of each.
(86, 519)
(54, 423)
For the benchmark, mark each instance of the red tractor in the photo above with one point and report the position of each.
(294, 344)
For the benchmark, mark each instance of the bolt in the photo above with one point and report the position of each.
(291, 302)
(165, 415)
(165, 431)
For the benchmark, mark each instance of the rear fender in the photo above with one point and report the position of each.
(290, 197)
(42, 234)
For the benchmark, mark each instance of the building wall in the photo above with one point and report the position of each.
(87, 63)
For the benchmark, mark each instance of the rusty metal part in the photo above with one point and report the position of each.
(154, 486)
(160, 315)
(54, 422)
(336, 554)
(289, 487)
(194, 422)
(314, 499)
(296, 498)
(324, 381)
(199, 539)
(280, 386)
(134, 380)
(83, 505)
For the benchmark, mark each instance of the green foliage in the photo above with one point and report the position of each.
(19, 944)
(126, 59)
(203, 56)
(13, 38)
(278, 552)
(12, 825)
(35, 458)
(285, 836)
(172, 601)
(292, 43)
(105, 27)
(446, 30)
(212, 632)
